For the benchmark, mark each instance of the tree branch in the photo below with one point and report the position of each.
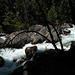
(46, 23)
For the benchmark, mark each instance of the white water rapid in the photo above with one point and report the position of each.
(9, 54)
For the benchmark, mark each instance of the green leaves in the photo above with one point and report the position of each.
(20, 14)
(11, 22)
(52, 14)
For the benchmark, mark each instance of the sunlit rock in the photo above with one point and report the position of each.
(36, 39)
(54, 36)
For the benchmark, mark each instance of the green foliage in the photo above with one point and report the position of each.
(1, 29)
(11, 22)
(21, 14)
(52, 14)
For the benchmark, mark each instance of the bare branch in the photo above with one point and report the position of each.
(46, 23)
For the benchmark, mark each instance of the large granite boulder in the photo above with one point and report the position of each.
(36, 38)
(54, 36)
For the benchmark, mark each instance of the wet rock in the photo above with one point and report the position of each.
(54, 36)
(44, 31)
(2, 34)
(1, 42)
(35, 38)
(64, 27)
(30, 51)
(1, 61)
(66, 32)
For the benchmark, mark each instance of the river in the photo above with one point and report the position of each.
(10, 53)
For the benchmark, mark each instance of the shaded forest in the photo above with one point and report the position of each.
(18, 15)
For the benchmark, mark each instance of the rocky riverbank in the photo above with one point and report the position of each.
(31, 37)
(49, 62)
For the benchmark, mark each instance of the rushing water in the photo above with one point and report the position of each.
(9, 54)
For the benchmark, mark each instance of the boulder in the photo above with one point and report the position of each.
(30, 51)
(1, 42)
(64, 27)
(54, 36)
(1, 61)
(44, 31)
(66, 31)
(2, 34)
(36, 38)
(19, 41)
